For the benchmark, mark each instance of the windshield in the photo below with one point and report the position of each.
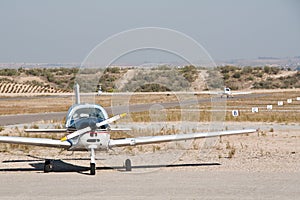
(87, 112)
(80, 112)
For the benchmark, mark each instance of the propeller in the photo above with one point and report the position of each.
(87, 129)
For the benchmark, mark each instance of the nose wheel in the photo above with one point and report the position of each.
(93, 162)
(93, 168)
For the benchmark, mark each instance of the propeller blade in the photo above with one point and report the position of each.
(110, 120)
(76, 133)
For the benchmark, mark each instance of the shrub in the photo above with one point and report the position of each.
(275, 70)
(9, 72)
(113, 70)
(237, 75)
(267, 69)
(189, 73)
(260, 74)
(247, 70)
(250, 78)
(231, 153)
(226, 76)
(153, 87)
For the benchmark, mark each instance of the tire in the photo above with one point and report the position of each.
(93, 169)
(128, 165)
(48, 166)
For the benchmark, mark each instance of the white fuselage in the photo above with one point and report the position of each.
(84, 115)
(98, 140)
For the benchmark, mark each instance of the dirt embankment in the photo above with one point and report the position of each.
(21, 88)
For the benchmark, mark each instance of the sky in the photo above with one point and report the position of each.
(58, 31)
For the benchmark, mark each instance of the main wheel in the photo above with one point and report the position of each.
(93, 168)
(48, 166)
(128, 165)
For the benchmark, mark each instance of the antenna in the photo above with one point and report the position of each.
(77, 95)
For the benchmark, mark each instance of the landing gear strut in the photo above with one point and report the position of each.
(48, 167)
(93, 163)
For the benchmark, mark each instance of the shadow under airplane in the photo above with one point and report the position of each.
(61, 166)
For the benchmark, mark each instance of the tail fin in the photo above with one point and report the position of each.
(77, 95)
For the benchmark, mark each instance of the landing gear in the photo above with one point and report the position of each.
(48, 167)
(93, 169)
(128, 165)
(93, 162)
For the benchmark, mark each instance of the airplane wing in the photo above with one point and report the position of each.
(170, 138)
(35, 141)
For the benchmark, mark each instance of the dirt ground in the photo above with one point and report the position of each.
(274, 148)
(264, 165)
(163, 184)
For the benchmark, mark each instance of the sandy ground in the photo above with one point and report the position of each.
(163, 184)
(264, 165)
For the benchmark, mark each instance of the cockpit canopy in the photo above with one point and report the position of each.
(227, 89)
(80, 113)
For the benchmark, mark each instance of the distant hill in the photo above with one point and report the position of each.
(259, 77)
(162, 78)
(37, 80)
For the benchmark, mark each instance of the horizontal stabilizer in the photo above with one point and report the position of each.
(46, 130)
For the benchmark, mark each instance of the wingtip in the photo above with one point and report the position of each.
(123, 114)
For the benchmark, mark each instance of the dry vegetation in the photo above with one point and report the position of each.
(282, 114)
(288, 113)
(201, 112)
(159, 79)
(34, 104)
(259, 77)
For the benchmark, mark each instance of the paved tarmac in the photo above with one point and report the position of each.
(175, 183)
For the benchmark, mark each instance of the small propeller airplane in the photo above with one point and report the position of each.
(226, 92)
(87, 127)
